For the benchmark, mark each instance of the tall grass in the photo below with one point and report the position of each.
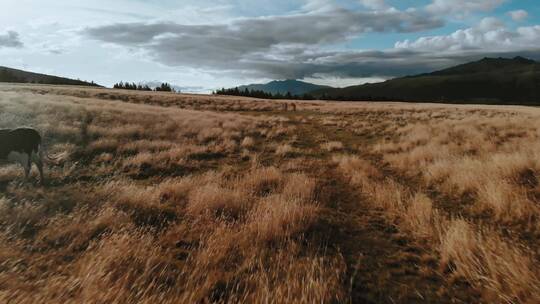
(145, 206)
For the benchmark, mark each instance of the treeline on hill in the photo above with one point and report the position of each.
(265, 95)
(325, 96)
(261, 94)
(164, 87)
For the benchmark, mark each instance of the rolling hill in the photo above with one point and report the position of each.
(20, 76)
(295, 87)
(490, 80)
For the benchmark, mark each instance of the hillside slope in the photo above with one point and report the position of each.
(490, 80)
(20, 76)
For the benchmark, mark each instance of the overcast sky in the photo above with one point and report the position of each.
(203, 44)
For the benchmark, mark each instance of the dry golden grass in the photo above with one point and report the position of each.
(332, 146)
(501, 269)
(285, 150)
(164, 198)
(493, 159)
(248, 142)
(504, 271)
(483, 167)
(151, 204)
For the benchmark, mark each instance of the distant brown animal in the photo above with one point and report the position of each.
(293, 107)
(22, 145)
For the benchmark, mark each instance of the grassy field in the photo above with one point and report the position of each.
(164, 198)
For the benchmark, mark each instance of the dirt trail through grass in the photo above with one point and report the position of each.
(427, 273)
(384, 264)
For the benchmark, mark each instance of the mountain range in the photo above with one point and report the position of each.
(177, 88)
(295, 87)
(490, 80)
(20, 76)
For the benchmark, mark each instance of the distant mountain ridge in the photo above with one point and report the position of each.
(295, 87)
(20, 76)
(177, 88)
(490, 80)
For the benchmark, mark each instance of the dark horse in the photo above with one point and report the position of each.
(22, 145)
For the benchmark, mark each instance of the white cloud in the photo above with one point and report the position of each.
(519, 15)
(462, 7)
(530, 35)
(490, 35)
(318, 6)
(490, 24)
(374, 4)
(341, 82)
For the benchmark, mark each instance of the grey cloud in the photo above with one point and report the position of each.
(10, 39)
(293, 46)
(310, 28)
(374, 4)
(354, 64)
(385, 64)
(56, 51)
(255, 44)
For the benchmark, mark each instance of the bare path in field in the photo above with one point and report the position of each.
(384, 264)
(440, 289)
